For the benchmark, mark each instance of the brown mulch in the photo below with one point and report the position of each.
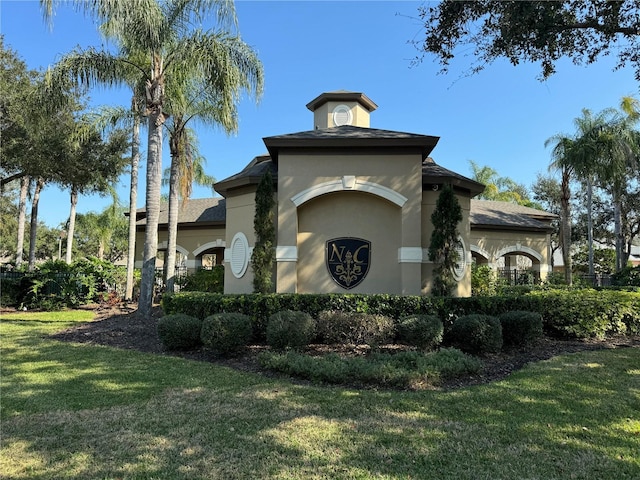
(119, 326)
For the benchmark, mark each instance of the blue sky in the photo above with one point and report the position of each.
(500, 117)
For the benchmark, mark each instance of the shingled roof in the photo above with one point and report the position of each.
(508, 216)
(200, 211)
(433, 174)
(483, 214)
(349, 136)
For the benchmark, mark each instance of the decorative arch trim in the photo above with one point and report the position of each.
(208, 246)
(480, 251)
(349, 183)
(182, 250)
(519, 249)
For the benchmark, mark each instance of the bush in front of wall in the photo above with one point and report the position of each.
(422, 331)
(520, 327)
(179, 331)
(335, 326)
(226, 333)
(476, 334)
(290, 329)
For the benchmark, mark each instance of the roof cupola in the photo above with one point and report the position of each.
(341, 107)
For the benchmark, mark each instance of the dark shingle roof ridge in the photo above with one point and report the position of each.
(350, 131)
(511, 207)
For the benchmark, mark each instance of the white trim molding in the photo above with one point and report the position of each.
(410, 255)
(207, 246)
(480, 251)
(349, 183)
(286, 253)
(519, 249)
(183, 251)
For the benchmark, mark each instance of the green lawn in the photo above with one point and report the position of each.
(91, 412)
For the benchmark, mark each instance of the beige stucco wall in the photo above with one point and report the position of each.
(323, 115)
(240, 217)
(367, 194)
(342, 215)
(189, 242)
(495, 243)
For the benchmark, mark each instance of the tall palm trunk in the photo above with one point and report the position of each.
(154, 179)
(34, 223)
(133, 201)
(155, 93)
(172, 234)
(174, 206)
(72, 223)
(617, 218)
(590, 225)
(566, 227)
(25, 183)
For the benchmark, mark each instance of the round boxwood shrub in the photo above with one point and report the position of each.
(476, 334)
(179, 331)
(226, 333)
(335, 326)
(422, 331)
(520, 327)
(290, 329)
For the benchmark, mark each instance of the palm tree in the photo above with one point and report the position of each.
(174, 50)
(187, 168)
(561, 155)
(621, 143)
(580, 157)
(198, 99)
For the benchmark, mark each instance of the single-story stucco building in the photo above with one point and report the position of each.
(353, 212)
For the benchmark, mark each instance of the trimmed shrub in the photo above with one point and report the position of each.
(520, 328)
(179, 331)
(290, 329)
(476, 334)
(422, 331)
(335, 326)
(414, 370)
(226, 333)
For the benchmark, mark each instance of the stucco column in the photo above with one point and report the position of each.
(287, 247)
(410, 252)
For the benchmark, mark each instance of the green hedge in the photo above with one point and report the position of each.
(581, 313)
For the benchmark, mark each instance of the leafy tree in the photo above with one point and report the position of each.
(92, 166)
(102, 235)
(533, 31)
(263, 255)
(604, 261)
(444, 241)
(174, 50)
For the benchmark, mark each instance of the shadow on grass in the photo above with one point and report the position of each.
(95, 412)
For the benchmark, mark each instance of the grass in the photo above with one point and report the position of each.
(92, 412)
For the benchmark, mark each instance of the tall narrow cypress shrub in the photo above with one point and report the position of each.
(263, 256)
(444, 241)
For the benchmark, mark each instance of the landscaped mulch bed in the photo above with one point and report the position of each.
(120, 326)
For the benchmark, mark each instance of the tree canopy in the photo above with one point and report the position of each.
(533, 31)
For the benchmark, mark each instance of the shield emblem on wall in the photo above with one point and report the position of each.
(348, 260)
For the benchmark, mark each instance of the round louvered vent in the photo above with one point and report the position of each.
(239, 254)
(461, 263)
(342, 116)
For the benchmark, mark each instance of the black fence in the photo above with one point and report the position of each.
(519, 277)
(597, 280)
(181, 273)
